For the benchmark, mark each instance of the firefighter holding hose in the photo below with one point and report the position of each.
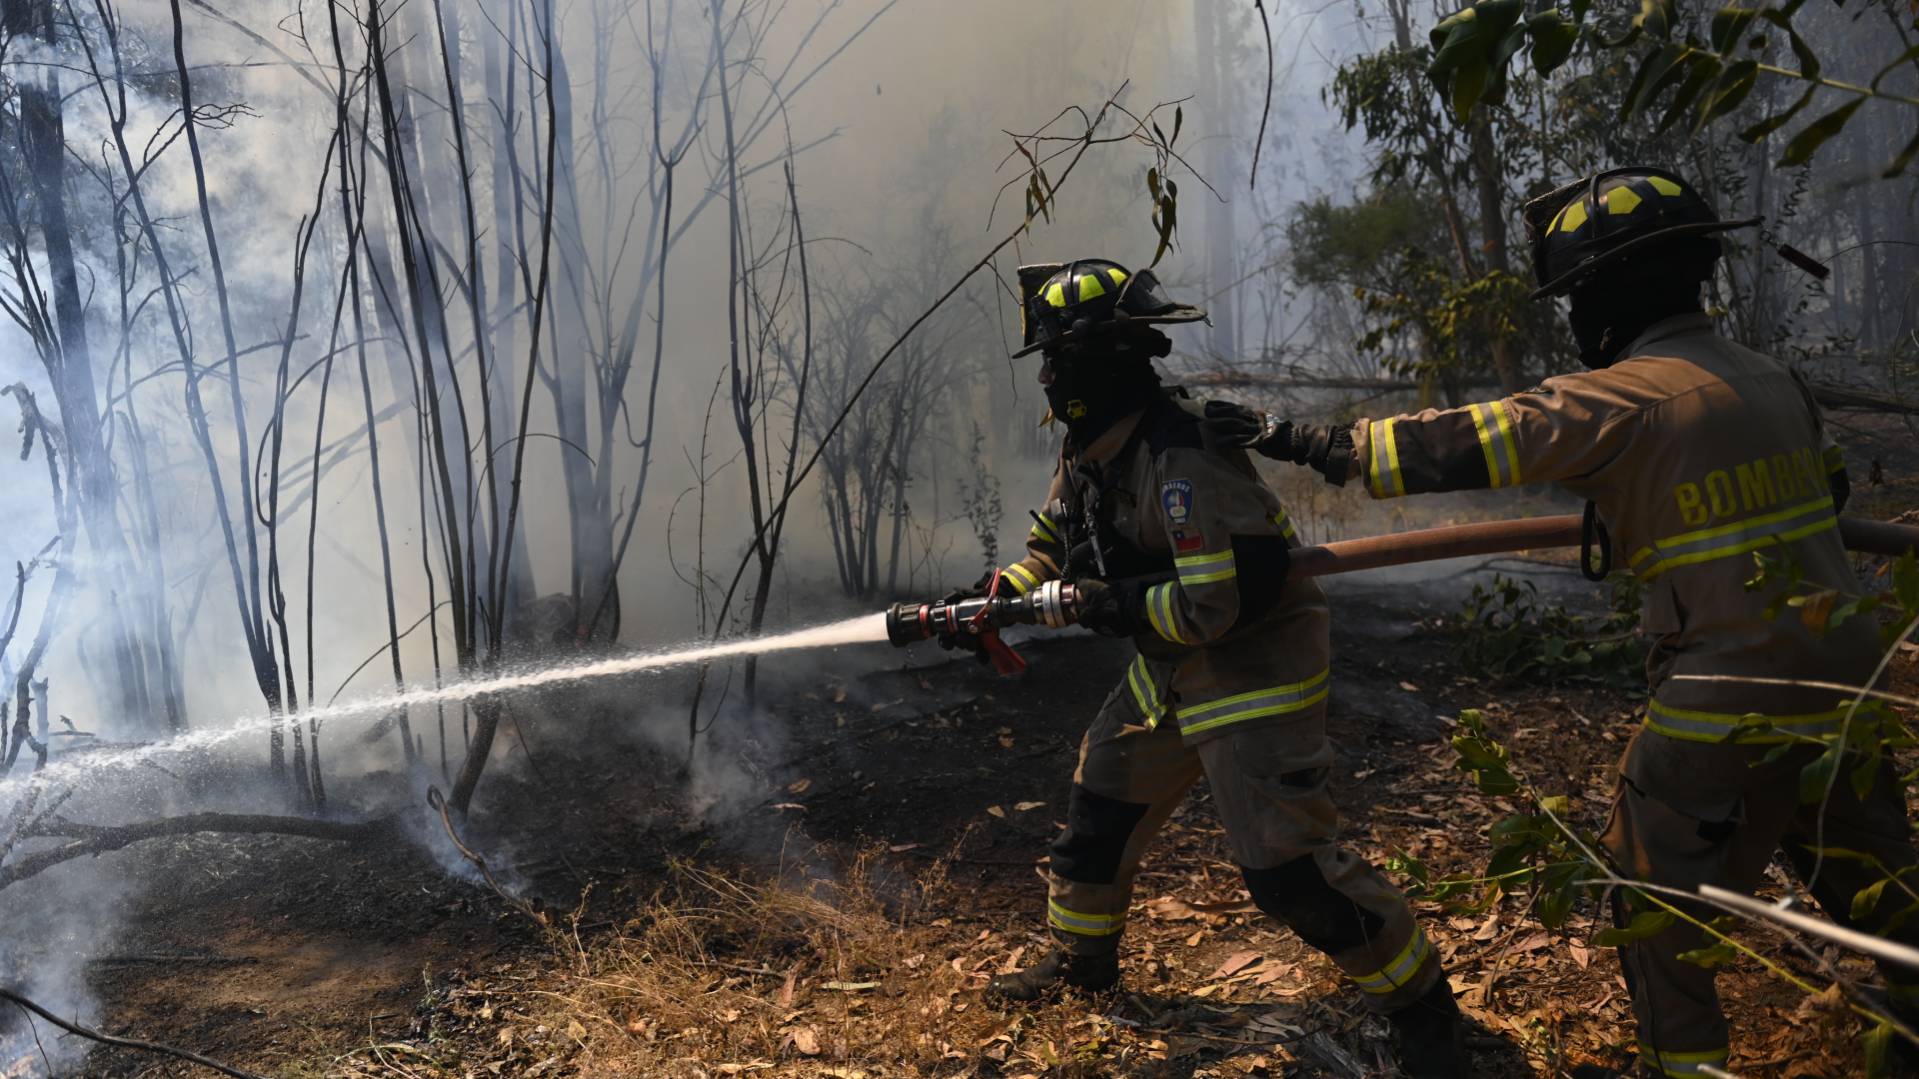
(1694, 452)
(1181, 548)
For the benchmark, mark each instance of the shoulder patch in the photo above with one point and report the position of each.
(1177, 497)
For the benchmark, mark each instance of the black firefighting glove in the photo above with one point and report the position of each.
(1110, 608)
(1325, 448)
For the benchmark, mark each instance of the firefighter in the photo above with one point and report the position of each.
(1183, 550)
(1695, 453)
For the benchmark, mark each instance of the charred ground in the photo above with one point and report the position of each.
(840, 921)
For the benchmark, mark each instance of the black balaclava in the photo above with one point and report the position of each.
(1613, 307)
(1099, 383)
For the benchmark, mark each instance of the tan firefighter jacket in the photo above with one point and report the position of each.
(1228, 640)
(1698, 453)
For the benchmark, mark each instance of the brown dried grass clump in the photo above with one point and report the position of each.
(847, 977)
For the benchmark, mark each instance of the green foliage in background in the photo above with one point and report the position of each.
(1693, 65)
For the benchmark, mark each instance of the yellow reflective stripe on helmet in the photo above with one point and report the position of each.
(1398, 973)
(1271, 701)
(1090, 287)
(1206, 568)
(1056, 294)
(1681, 1065)
(1383, 469)
(1740, 537)
(1745, 728)
(1835, 459)
(1285, 524)
(1118, 275)
(1022, 579)
(1085, 925)
(1159, 611)
(1573, 216)
(1664, 186)
(1139, 679)
(1620, 200)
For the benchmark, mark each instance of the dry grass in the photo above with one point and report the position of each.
(852, 976)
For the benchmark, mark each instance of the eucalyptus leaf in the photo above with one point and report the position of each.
(1553, 37)
(1814, 135)
(1644, 924)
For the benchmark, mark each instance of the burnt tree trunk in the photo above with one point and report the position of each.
(42, 139)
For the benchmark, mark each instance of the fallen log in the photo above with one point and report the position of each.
(93, 839)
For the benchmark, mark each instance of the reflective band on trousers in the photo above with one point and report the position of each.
(1086, 925)
(1746, 728)
(1494, 424)
(1160, 612)
(1727, 541)
(1139, 679)
(1272, 701)
(1681, 1064)
(1024, 580)
(1382, 469)
(1398, 973)
(1206, 568)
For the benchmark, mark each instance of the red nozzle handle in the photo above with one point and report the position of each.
(1005, 660)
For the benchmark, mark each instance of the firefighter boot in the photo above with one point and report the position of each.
(1432, 1037)
(1059, 972)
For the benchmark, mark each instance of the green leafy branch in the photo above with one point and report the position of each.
(1508, 632)
(1541, 853)
(1703, 78)
(1037, 149)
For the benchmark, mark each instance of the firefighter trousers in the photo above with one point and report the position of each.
(1691, 813)
(1269, 785)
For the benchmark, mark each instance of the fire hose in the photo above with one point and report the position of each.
(1054, 604)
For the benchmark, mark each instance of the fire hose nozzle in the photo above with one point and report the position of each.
(1053, 605)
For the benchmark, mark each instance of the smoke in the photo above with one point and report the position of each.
(898, 123)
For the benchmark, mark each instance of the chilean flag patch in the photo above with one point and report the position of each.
(1177, 497)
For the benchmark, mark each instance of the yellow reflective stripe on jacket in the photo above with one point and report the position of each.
(1494, 425)
(1272, 701)
(1681, 1065)
(1085, 925)
(1740, 537)
(1024, 580)
(1835, 459)
(1382, 470)
(1398, 973)
(1285, 524)
(1160, 612)
(1746, 728)
(1206, 568)
(1139, 680)
(1043, 529)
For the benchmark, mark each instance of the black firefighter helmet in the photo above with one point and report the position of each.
(1593, 223)
(1064, 303)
